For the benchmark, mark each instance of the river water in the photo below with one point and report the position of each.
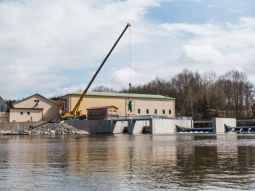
(127, 162)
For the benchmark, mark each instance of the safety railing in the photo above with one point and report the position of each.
(148, 117)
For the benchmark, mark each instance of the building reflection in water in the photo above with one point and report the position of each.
(135, 161)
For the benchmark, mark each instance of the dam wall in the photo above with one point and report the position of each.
(218, 124)
(92, 126)
(156, 126)
(167, 126)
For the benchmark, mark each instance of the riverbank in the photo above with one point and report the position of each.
(44, 128)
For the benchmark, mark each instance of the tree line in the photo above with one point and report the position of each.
(202, 95)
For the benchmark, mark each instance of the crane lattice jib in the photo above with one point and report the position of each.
(75, 109)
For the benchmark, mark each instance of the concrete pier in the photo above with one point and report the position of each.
(218, 124)
(138, 125)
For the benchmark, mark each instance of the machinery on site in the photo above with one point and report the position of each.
(75, 113)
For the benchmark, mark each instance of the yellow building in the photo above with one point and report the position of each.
(128, 104)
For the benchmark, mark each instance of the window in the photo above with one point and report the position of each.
(90, 111)
(2, 108)
(104, 111)
(63, 105)
(113, 110)
(147, 111)
(28, 113)
(21, 113)
(155, 111)
(163, 111)
(169, 111)
(138, 111)
(109, 110)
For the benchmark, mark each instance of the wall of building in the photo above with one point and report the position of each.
(15, 115)
(4, 117)
(66, 103)
(152, 104)
(96, 101)
(50, 109)
(3, 105)
(120, 102)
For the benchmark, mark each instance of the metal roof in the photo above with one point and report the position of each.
(60, 102)
(110, 94)
(102, 107)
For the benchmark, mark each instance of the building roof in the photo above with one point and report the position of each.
(32, 96)
(110, 94)
(102, 107)
(28, 108)
(60, 102)
(2, 102)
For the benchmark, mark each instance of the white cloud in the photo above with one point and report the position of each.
(215, 34)
(67, 90)
(207, 29)
(42, 42)
(200, 53)
(236, 11)
(40, 39)
(122, 77)
(209, 6)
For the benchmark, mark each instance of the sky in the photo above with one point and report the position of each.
(54, 47)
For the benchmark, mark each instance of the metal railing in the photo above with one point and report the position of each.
(148, 117)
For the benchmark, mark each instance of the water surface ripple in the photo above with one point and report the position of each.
(127, 162)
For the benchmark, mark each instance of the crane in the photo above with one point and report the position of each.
(75, 112)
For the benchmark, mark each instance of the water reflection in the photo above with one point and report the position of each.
(109, 162)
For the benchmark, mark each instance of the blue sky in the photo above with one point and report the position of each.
(202, 11)
(54, 47)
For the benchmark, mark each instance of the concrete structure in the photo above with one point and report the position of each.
(142, 104)
(102, 112)
(93, 126)
(135, 126)
(35, 106)
(218, 124)
(167, 126)
(4, 111)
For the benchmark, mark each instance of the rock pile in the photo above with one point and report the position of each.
(56, 128)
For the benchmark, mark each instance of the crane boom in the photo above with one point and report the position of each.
(75, 111)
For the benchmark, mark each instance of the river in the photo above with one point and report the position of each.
(128, 162)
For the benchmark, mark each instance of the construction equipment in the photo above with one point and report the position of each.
(75, 113)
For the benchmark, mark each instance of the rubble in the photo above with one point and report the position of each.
(56, 129)
(53, 129)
